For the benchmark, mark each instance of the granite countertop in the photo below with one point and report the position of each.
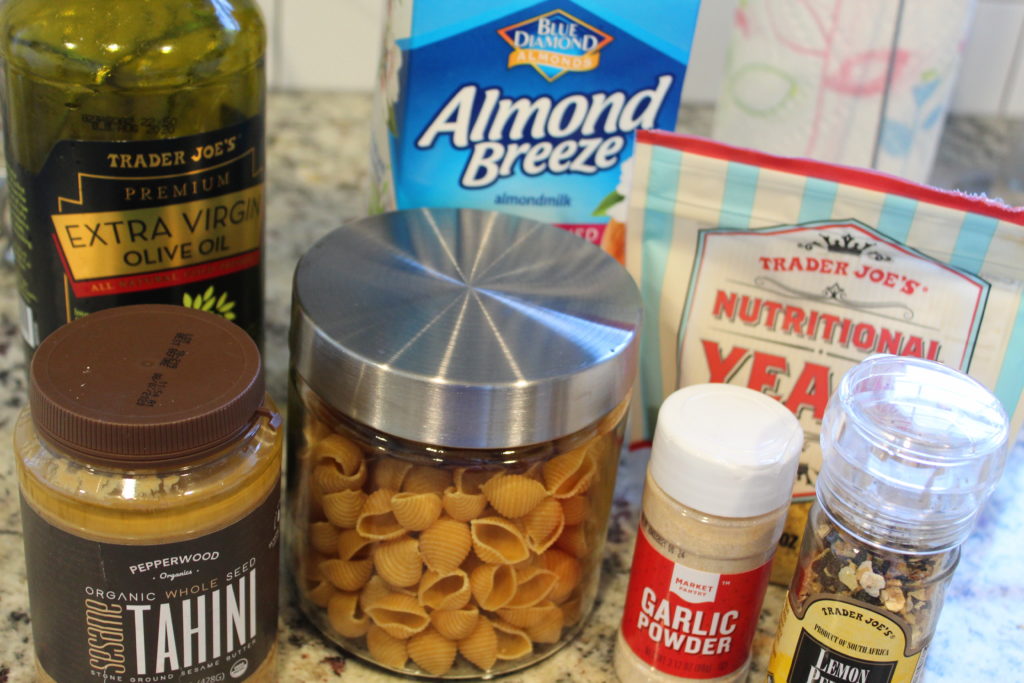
(318, 178)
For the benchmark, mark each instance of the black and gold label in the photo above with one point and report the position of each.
(176, 221)
(840, 639)
(194, 611)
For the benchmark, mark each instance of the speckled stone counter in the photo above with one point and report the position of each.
(318, 173)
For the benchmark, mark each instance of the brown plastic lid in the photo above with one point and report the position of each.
(145, 384)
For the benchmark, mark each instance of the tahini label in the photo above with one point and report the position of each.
(687, 622)
(175, 221)
(189, 612)
(837, 640)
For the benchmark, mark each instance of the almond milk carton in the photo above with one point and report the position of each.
(525, 107)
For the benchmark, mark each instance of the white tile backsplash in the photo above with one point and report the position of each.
(334, 45)
(328, 44)
(988, 58)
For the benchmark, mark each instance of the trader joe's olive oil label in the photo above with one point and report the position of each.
(177, 221)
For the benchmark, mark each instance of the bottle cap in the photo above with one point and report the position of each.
(145, 384)
(725, 450)
(911, 449)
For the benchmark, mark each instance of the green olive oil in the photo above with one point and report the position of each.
(134, 134)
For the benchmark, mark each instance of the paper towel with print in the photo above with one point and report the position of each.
(856, 82)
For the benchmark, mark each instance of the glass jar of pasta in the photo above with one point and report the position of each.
(459, 383)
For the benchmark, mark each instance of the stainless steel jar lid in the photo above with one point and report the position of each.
(463, 328)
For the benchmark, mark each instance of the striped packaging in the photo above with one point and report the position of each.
(780, 274)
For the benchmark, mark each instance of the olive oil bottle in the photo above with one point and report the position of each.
(134, 134)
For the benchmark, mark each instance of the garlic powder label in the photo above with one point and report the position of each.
(694, 585)
(787, 310)
(687, 622)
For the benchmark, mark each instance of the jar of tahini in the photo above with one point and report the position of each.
(459, 381)
(149, 463)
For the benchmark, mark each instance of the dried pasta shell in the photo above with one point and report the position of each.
(388, 473)
(400, 615)
(525, 617)
(416, 511)
(375, 589)
(386, 649)
(347, 575)
(316, 505)
(493, 585)
(328, 479)
(548, 629)
(343, 508)
(345, 616)
(573, 540)
(320, 594)
(426, 479)
(467, 480)
(445, 544)
(444, 591)
(513, 642)
(535, 471)
(376, 520)
(311, 567)
(567, 570)
(351, 546)
(572, 611)
(480, 646)
(432, 652)
(575, 509)
(339, 450)
(463, 506)
(533, 585)
(513, 495)
(323, 536)
(398, 562)
(543, 525)
(569, 474)
(498, 541)
(470, 563)
(455, 624)
(313, 429)
(339, 464)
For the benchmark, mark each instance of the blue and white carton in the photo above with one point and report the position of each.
(525, 107)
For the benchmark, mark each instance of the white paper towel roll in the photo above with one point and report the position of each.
(856, 82)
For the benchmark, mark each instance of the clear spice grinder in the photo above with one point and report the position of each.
(911, 451)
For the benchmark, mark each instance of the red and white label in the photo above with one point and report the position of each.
(687, 622)
(788, 310)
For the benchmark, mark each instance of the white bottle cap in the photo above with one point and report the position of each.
(726, 450)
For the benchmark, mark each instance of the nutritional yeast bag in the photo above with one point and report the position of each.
(525, 107)
(780, 274)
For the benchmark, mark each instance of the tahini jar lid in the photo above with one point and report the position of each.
(725, 450)
(464, 328)
(145, 384)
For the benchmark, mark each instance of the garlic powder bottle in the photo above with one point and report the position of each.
(718, 487)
